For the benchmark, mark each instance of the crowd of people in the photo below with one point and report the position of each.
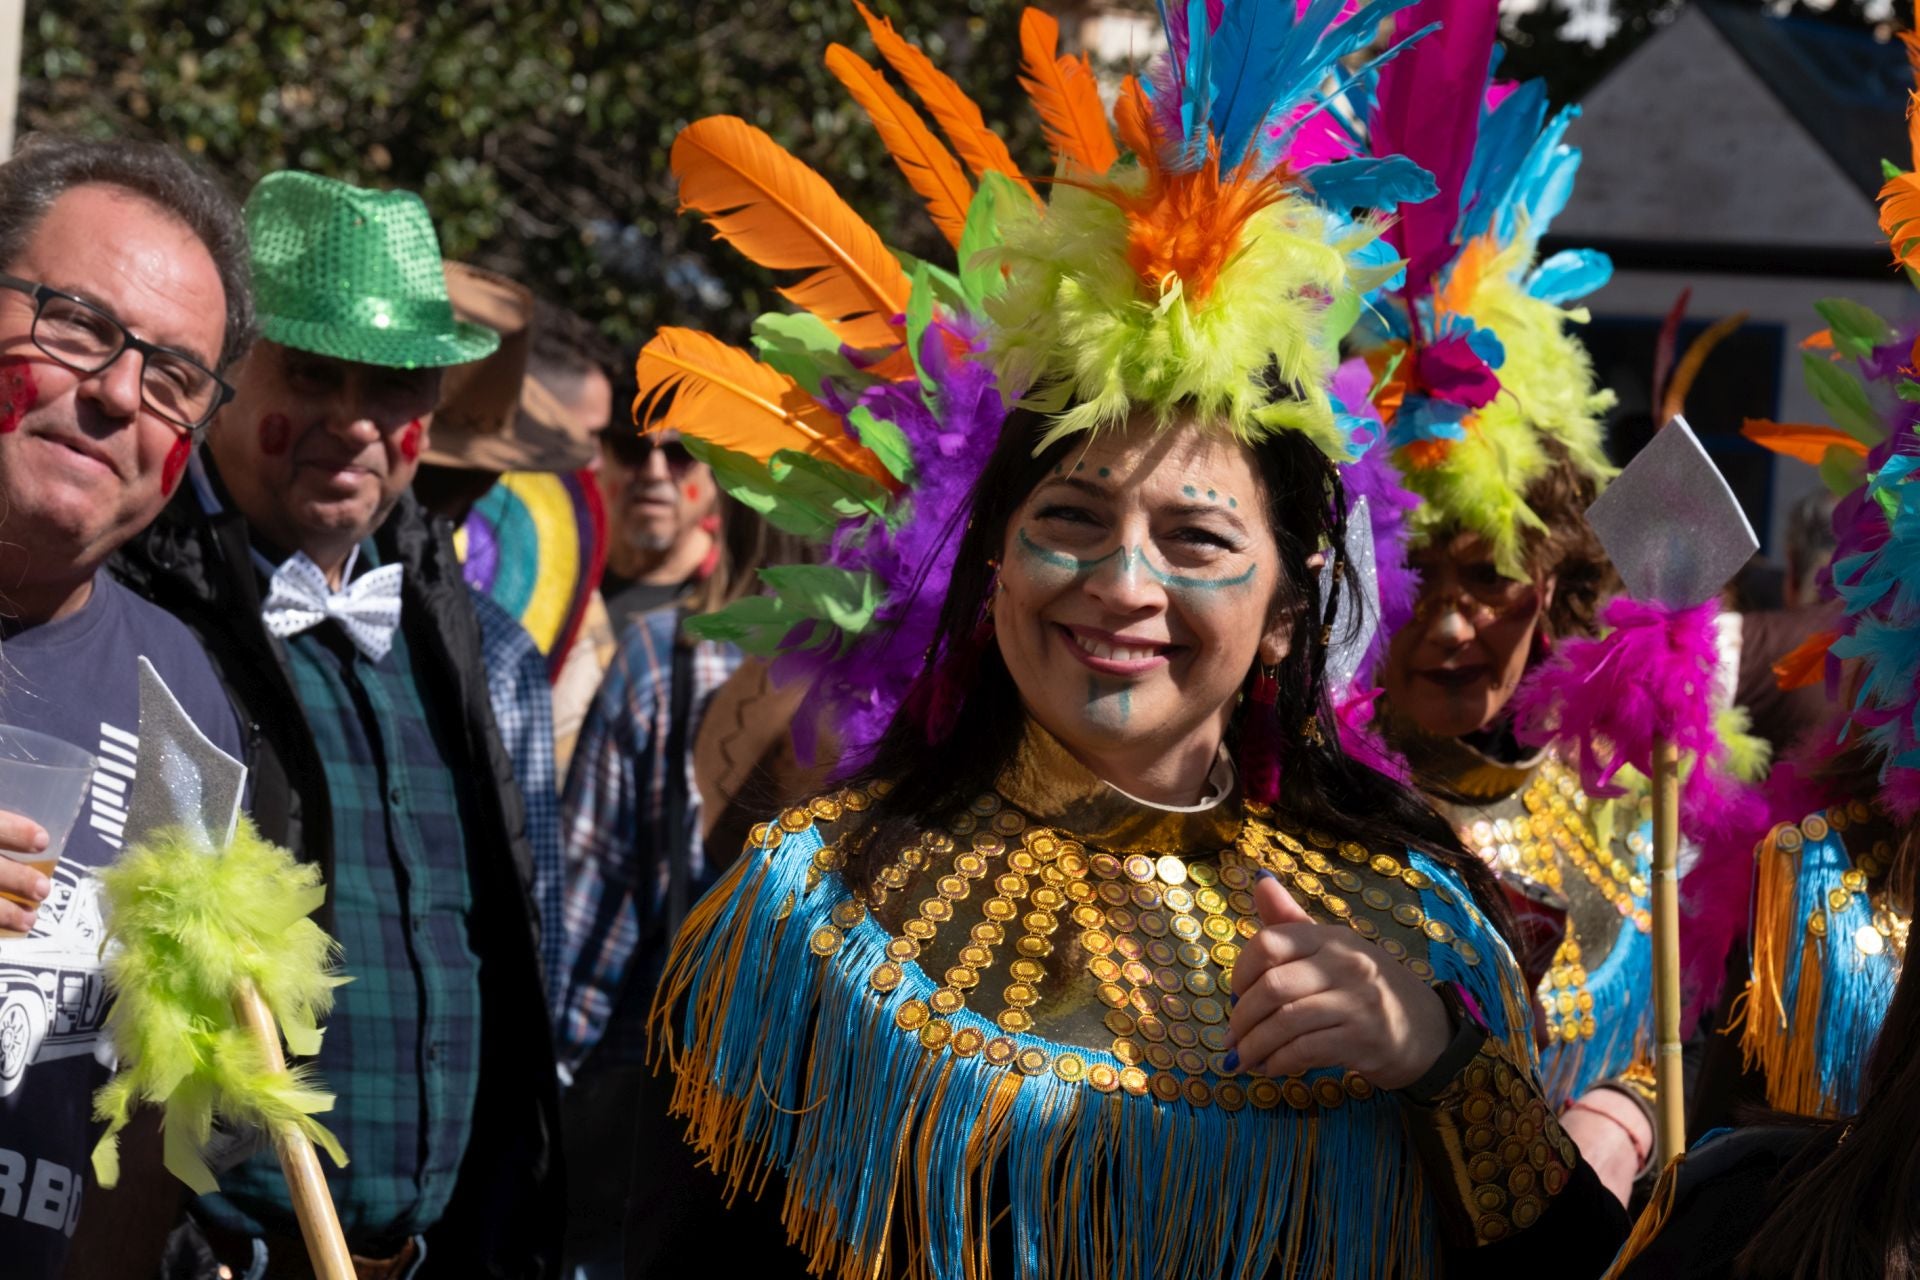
(1059, 773)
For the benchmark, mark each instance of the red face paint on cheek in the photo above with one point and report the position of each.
(693, 493)
(410, 440)
(175, 464)
(276, 433)
(18, 392)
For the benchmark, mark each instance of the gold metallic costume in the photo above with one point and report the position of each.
(1029, 1008)
(1578, 872)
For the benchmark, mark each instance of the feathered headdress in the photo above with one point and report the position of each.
(1868, 457)
(1475, 365)
(1178, 266)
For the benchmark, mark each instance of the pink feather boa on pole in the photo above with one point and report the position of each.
(1602, 702)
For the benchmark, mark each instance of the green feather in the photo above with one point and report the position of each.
(190, 927)
(1076, 328)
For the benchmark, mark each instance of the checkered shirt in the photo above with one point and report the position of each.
(523, 708)
(611, 814)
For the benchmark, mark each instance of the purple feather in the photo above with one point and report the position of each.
(1428, 109)
(856, 689)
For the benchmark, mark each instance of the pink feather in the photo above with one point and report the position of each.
(1602, 703)
(1428, 109)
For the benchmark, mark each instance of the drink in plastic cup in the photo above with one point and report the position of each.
(45, 779)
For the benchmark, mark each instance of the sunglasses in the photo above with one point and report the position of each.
(634, 451)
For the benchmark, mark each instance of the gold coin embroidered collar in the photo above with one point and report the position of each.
(1037, 991)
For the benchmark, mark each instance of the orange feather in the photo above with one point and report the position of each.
(1133, 118)
(1806, 665)
(958, 115)
(693, 383)
(1066, 96)
(1799, 440)
(783, 215)
(930, 168)
(1690, 364)
(1899, 209)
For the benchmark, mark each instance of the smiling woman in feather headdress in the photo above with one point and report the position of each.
(1492, 419)
(1104, 960)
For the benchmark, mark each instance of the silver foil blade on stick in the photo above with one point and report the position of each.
(1670, 523)
(182, 780)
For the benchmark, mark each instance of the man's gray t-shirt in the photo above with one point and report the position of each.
(76, 679)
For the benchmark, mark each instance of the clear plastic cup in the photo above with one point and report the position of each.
(45, 779)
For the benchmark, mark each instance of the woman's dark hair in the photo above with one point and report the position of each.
(1322, 787)
(1568, 548)
(1855, 1212)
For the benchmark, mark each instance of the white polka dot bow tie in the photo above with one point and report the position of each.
(299, 599)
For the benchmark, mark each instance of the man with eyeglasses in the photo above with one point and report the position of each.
(662, 519)
(339, 614)
(123, 289)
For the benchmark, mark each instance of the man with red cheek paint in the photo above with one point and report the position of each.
(339, 612)
(662, 519)
(122, 296)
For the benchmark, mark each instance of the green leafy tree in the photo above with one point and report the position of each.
(537, 134)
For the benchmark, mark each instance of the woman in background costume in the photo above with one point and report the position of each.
(1493, 422)
(1834, 885)
(1106, 960)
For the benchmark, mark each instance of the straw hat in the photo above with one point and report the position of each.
(492, 415)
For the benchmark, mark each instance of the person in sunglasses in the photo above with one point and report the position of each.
(123, 293)
(662, 520)
(340, 615)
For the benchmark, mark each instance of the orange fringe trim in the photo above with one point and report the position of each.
(1789, 1058)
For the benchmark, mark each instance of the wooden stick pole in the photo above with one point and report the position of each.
(312, 1203)
(1671, 1120)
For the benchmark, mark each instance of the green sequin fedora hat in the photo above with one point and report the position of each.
(355, 274)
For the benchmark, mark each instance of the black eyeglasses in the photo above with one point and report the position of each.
(633, 450)
(86, 340)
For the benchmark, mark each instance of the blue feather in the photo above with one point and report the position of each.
(1369, 183)
(1253, 37)
(1506, 134)
(1366, 76)
(1544, 184)
(1570, 275)
(1196, 93)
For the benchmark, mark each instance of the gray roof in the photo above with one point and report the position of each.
(1847, 89)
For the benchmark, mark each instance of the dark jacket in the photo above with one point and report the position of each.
(506, 1216)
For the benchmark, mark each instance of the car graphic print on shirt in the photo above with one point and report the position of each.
(53, 990)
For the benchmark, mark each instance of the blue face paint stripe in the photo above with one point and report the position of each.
(1207, 584)
(1060, 560)
(1128, 557)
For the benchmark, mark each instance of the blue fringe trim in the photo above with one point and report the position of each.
(1508, 1019)
(791, 1060)
(1855, 988)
